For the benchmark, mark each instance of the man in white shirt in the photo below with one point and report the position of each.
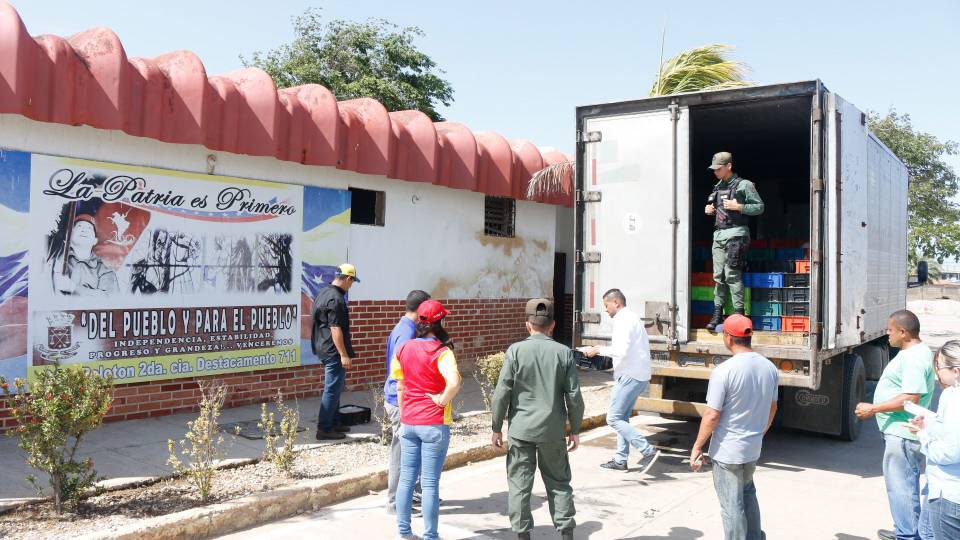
(630, 350)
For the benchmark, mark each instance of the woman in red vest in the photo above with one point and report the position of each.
(427, 381)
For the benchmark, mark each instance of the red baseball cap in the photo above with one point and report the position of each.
(431, 312)
(738, 326)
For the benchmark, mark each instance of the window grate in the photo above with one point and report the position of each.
(499, 217)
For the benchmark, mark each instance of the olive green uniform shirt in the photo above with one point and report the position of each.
(538, 391)
(747, 195)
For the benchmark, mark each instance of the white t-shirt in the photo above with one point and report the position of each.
(629, 347)
(742, 389)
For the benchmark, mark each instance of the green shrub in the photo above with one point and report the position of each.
(53, 415)
(487, 373)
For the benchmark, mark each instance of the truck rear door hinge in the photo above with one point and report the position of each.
(589, 196)
(817, 185)
(588, 256)
(589, 317)
(589, 137)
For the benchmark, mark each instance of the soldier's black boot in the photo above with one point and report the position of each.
(739, 311)
(716, 319)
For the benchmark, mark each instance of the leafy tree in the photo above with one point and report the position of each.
(701, 68)
(375, 59)
(934, 216)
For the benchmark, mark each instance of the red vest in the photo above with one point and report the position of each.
(421, 376)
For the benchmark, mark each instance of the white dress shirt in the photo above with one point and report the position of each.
(629, 347)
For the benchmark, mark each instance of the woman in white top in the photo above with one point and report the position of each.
(940, 442)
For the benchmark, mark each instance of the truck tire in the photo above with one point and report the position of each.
(854, 381)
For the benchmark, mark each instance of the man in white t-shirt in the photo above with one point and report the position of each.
(741, 402)
(630, 350)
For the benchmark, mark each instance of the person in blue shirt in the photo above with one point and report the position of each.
(404, 331)
(940, 442)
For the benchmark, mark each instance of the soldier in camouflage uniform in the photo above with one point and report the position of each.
(732, 200)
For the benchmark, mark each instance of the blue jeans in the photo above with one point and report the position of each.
(624, 396)
(421, 447)
(738, 500)
(333, 378)
(944, 519)
(902, 463)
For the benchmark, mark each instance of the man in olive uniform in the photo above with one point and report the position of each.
(538, 392)
(732, 200)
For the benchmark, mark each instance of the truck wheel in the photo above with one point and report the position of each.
(854, 381)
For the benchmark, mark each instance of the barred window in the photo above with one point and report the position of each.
(499, 217)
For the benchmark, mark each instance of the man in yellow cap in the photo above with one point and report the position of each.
(732, 201)
(330, 341)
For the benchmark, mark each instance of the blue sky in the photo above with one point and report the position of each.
(520, 68)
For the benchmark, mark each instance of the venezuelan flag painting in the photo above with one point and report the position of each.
(326, 234)
(14, 241)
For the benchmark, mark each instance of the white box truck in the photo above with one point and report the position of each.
(829, 186)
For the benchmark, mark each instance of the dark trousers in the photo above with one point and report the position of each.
(334, 377)
(523, 459)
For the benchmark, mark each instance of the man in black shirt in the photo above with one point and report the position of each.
(330, 340)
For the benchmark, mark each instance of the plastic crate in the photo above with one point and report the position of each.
(701, 279)
(352, 415)
(768, 295)
(760, 254)
(699, 321)
(795, 324)
(760, 244)
(783, 267)
(802, 266)
(791, 254)
(701, 307)
(786, 243)
(797, 294)
(796, 309)
(763, 280)
(769, 324)
(766, 309)
(701, 293)
(796, 280)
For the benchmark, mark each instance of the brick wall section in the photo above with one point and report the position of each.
(477, 327)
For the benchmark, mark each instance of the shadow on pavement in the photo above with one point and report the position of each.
(676, 533)
(583, 530)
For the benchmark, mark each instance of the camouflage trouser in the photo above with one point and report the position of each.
(729, 260)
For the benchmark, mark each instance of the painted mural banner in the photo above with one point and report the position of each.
(152, 274)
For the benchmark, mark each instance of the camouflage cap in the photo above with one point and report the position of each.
(720, 159)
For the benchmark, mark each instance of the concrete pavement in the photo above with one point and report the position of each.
(810, 487)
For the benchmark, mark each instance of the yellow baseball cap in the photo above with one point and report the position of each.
(347, 269)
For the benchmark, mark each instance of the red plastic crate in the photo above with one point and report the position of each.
(702, 279)
(699, 321)
(803, 266)
(795, 324)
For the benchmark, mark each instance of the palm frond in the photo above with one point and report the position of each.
(701, 68)
(553, 180)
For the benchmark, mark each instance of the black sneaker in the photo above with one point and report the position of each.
(614, 465)
(647, 461)
(341, 429)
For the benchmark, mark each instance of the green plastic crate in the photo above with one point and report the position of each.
(706, 294)
(767, 309)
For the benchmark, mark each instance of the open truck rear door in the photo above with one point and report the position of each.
(633, 230)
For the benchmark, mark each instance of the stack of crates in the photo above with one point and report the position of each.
(780, 300)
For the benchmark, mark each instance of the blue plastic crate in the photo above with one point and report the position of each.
(763, 280)
(791, 254)
(769, 324)
(701, 307)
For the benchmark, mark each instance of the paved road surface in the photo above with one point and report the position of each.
(810, 487)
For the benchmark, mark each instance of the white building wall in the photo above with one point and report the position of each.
(432, 239)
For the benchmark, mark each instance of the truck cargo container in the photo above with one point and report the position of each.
(833, 236)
